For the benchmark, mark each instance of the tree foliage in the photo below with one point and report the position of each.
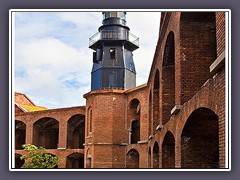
(38, 158)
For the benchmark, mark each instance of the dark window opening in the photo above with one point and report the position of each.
(89, 162)
(135, 136)
(113, 53)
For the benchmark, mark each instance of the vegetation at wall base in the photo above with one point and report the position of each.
(37, 157)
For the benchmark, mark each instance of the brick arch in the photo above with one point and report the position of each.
(156, 99)
(46, 133)
(88, 152)
(134, 117)
(194, 104)
(197, 49)
(168, 150)
(149, 157)
(75, 161)
(52, 152)
(200, 140)
(20, 134)
(155, 155)
(132, 158)
(168, 79)
(76, 131)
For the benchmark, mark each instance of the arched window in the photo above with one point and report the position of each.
(200, 140)
(75, 161)
(76, 132)
(20, 134)
(134, 110)
(46, 133)
(156, 117)
(168, 151)
(132, 159)
(168, 79)
(156, 155)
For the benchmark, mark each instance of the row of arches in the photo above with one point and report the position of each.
(73, 161)
(184, 65)
(46, 133)
(199, 142)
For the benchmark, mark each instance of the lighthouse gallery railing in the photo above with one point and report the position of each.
(113, 35)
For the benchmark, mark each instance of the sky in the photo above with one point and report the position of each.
(52, 62)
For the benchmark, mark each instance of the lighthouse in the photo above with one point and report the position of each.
(113, 46)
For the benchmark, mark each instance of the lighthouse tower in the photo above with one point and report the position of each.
(113, 72)
(113, 44)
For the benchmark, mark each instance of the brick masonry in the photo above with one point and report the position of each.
(192, 137)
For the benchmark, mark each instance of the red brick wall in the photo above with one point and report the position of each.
(22, 99)
(198, 51)
(62, 116)
(109, 128)
(18, 110)
(220, 32)
(196, 45)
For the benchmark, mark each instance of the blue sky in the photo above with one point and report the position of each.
(53, 62)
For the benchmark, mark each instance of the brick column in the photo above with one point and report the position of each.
(143, 159)
(62, 136)
(160, 155)
(178, 151)
(29, 133)
(62, 162)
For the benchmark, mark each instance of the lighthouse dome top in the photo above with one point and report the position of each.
(112, 14)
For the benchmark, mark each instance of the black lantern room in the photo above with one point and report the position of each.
(113, 66)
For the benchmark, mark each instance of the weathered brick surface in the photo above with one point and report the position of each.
(220, 32)
(193, 137)
(22, 99)
(62, 117)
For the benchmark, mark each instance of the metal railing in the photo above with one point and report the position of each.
(110, 34)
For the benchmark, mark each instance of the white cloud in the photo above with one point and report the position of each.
(53, 62)
(45, 62)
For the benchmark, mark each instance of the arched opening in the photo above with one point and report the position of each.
(76, 132)
(156, 155)
(132, 159)
(156, 102)
(168, 151)
(88, 159)
(18, 162)
(149, 157)
(134, 117)
(150, 114)
(45, 133)
(20, 134)
(75, 161)
(197, 49)
(200, 140)
(168, 79)
(135, 136)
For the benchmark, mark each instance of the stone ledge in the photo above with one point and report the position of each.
(176, 109)
(159, 128)
(218, 63)
(142, 142)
